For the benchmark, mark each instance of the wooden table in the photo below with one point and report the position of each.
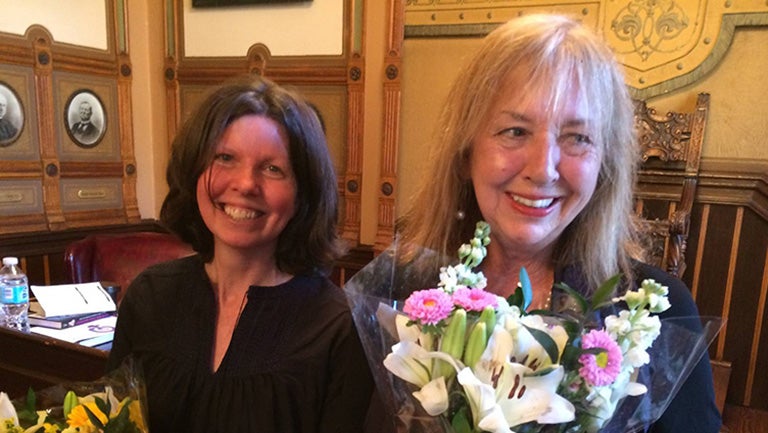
(37, 361)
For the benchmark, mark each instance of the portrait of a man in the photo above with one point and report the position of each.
(11, 116)
(86, 119)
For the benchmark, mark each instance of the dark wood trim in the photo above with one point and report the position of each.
(46, 242)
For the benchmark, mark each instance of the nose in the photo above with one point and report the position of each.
(543, 159)
(247, 181)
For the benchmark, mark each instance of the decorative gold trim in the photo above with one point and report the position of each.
(719, 49)
(661, 50)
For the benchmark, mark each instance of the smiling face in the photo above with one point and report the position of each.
(533, 168)
(248, 194)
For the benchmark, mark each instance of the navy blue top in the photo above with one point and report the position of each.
(294, 364)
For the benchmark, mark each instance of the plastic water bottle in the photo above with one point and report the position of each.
(14, 295)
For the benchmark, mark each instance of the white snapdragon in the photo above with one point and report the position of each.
(449, 278)
(636, 357)
(618, 326)
(458, 276)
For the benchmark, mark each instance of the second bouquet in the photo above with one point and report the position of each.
(459, 358)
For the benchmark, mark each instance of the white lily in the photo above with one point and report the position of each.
(486, 413)
(524, 397)
(526, 349)
(7, 411)
(410, 362)
(405, 332)
(433, 396)
(510, 395)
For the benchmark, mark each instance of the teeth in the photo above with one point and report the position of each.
(239, 213)
(534, 203)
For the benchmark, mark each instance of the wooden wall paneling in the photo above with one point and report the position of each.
(392, 96)
(355, 81)
(187, 79)
(60, 70)
(697, 236)
(127, 156)
(749, 309)
(712, 275)
(41, 42)
(757, 392)
(353, 174)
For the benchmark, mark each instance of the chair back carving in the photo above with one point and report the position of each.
(118, 258)
(671, 154)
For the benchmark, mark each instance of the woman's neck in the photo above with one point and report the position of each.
(503, 274)
(232, 273)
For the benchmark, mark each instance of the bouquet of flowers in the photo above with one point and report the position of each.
(112, 404)
(461, 359)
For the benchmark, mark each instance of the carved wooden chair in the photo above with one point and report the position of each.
(671, 153)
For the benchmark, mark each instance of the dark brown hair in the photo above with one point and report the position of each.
(309, 243)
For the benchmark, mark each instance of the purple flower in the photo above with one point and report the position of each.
(428, 307)
(600, 369)
(473, 299)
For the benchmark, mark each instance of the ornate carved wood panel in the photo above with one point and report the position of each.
(71, 163)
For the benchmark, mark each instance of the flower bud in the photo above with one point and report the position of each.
(70, 402)
(453, 339)
(476, 343)
(452, 343)
(488, 316)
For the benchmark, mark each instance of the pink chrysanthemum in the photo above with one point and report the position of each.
(473, 299)
(428, 307)
(600, 369)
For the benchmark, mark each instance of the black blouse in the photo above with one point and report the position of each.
(294, 364)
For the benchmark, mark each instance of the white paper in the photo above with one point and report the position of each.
(68, 299)
(88, 334)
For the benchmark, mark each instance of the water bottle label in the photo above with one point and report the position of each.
(15, 295)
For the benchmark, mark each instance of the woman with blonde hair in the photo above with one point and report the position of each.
(537, 138)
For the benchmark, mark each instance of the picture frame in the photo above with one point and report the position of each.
(11, 115)
(220, 3)
(85, 118)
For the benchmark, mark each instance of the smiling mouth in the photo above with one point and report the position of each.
(238, 213)
(538, 204)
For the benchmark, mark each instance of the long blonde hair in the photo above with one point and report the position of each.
(549, 50)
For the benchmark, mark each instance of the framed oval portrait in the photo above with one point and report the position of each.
(11, 115)
(85, 118)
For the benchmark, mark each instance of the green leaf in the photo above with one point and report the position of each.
(516, 298)
(93, 418)
(27, 413)
(31, 399)
(122, 422)
(525, 283)
(571, 355)
(460, 422)
(580, 300)
(605, 292)
(547, 342)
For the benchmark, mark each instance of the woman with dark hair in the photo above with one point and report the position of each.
(248, 334)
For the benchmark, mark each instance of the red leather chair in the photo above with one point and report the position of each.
(118, 258)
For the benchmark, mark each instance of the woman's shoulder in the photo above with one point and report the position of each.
(319, 288)
(165, 277)
(183, 264)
